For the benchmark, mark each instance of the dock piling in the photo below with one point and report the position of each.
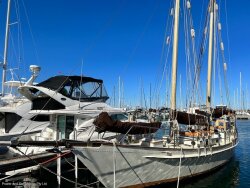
(76, 167)
(59, 169)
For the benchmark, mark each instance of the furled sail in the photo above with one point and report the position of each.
(105, 123)
(190, 118)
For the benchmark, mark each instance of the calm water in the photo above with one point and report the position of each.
(235, 174)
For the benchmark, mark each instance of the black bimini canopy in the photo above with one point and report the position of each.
(84, 89)
(60, 81)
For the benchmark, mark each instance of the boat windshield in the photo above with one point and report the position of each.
(77, 87)
(85, 91)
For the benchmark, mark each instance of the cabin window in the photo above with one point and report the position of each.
(46, 103)
(65, 126)
(40, 118)
(143, 117)
(11, 120)
(1, 116)
(84, 91)
(120, 117)
(78, 94)
(65, 91)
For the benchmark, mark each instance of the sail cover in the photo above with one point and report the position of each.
(189, 118)
(220, 111)
(104, 123)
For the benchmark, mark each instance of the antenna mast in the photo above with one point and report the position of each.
(5, 48)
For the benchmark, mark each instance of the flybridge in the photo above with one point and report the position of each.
(81, 88)
(61, 91)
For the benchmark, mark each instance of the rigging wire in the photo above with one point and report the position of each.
(166, 59)
(31, 33)
(187, 53)
(18, 33)
(228, 41)
(228, 51)
(223, 62)
(105, 26)
(13, 45)
(202, 49)
(140, 38)
(167, 39)
(219, 78)
(200, 25)
(202, 34)
(191, 54)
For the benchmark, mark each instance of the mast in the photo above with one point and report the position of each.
(235, 99)
(166, 90)
(246, 101)
(150, 97)
(214, 56)
(210, 55)
(141, 93)
(119, 92)
(175, 54)
(5, 48)
(122, 94)
(240, 93)
(180, 94)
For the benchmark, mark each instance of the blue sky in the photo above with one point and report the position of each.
(114, 38)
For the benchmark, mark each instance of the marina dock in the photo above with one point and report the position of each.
(23, 162)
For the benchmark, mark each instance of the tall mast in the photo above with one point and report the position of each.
(5, 48)
(237, 99)
(122, 94)
(234, 100)
(180, 94)
(175, 54)
(114, 97)
(119, 92)
(167, 91)
(240, 93)
(210, 55)
(214, 57)
(141, 93)
(246, 102)
(150, 97)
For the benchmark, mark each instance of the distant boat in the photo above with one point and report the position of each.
(242, 115)
(140, 160)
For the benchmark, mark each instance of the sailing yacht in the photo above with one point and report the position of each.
(143, 158)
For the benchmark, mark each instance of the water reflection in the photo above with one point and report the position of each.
(225, 177)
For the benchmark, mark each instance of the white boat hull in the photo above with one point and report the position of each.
(143, 166)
